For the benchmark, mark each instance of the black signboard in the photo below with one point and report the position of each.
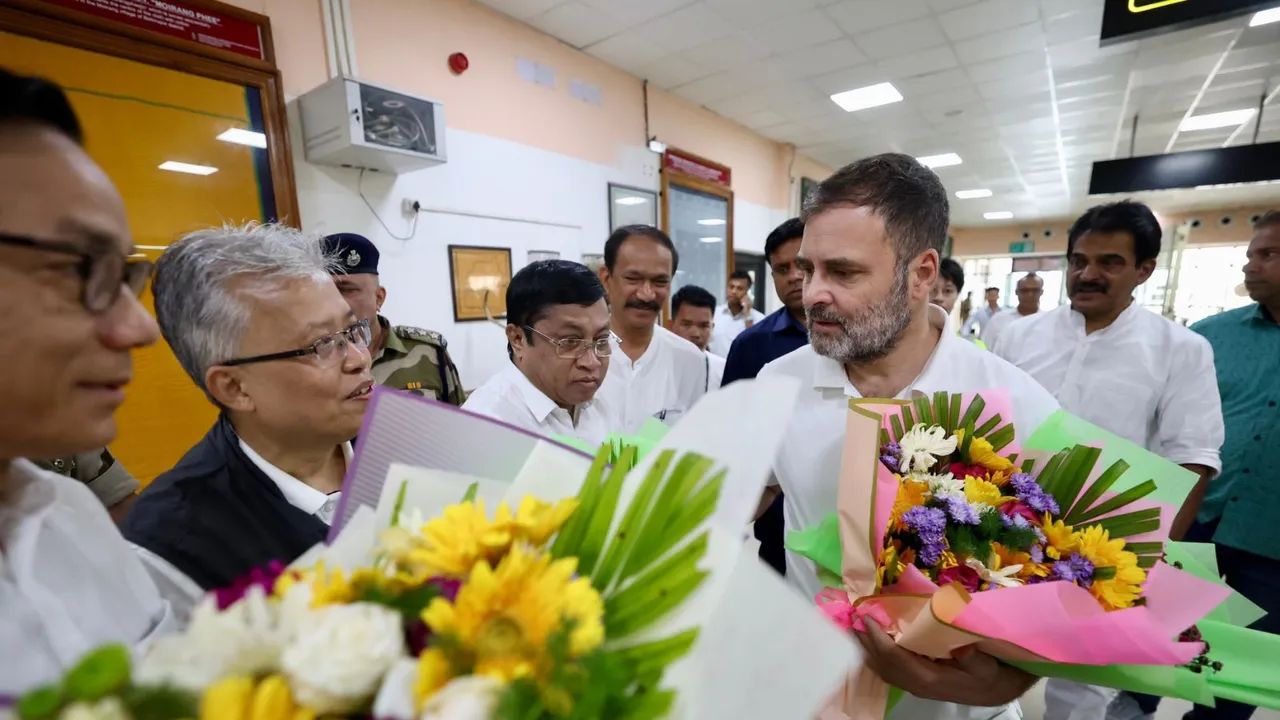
(1136, 19)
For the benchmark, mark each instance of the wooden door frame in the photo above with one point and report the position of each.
(679, 179)
(35, 19)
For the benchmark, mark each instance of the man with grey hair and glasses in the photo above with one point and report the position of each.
(255, 320)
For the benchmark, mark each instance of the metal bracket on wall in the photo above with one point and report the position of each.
(340, 42)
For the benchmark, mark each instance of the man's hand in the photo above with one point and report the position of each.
(746, 310)
(971, 678)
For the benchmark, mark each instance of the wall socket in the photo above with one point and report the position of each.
(409, 206)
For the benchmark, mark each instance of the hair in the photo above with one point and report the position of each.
(36, 100)
(906, 195)
(1125, 216)
(199, 280)
(792, 229)
(742, 275)
(693, 296)
(951, 270)
(542, 285)
(1269, 218)
(1032, 276)
(625, 232)
(992, 289)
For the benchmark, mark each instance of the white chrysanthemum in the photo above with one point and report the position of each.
(474, 697)
(110, 708)
(941, 485)
(340, 654)
(922, 444)
(396, 700)
(244, 639)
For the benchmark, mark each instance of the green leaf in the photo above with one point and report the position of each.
(41, 703)
(1001, 438)
(972, 413)
(940, 407)
(953, 415)
(666, 592)
(470, 496)
(1095, 491)
(1048, 477)
(1146, 562)
(1122, 500)
(103, 672)
(1075, 472)
(650, 706)
(1144, 548)
(687, 517)
(924, 411)
(896, 423)
(1029, 466)
(570, 537)
(628, 532)
(657, 655)
(651, 585)
(1104, 573)
(1131, 524)
(908, 418)
(160, 703)
(985, 428)
(395, 512)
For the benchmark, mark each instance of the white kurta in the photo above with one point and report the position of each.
(729, 326)
(509, 396)
(662, 383)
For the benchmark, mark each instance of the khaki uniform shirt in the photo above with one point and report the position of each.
(416, 361)
(108, 479)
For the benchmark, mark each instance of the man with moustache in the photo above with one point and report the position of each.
(1123, 368)
(559, 344)
(869, 256)
(68, 581)
(257, 323)
(405, 358)
(658, 374)
(781, 332)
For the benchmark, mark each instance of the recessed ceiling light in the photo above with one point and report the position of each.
(1001, 215)
(631, 200)
(711, 239)
(244, 137)
(187, 168)
(867, 97)
(937, 161)
(1231, 118)
(711, 221)
(1265, 17)
(973, 194)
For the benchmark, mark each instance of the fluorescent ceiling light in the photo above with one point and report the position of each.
(1001, 215)
(711, 221)
(937, 161)
(973, 194)
(867, 97)
(631, 200)
(657, 146)
(244, 137)
(1231, 118)
(711, 239)
(1265, 17)
(187, 168)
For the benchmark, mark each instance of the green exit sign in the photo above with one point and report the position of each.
(1026, 246)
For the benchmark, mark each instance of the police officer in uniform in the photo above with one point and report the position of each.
(101, 473)
(404, 358)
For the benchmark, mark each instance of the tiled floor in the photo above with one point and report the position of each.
(1033, 708)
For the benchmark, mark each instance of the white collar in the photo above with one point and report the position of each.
(829, 374)
(297, 493)
(537, 401)
(1076, 320)
(724, 310)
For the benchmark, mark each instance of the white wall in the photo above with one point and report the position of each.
(491, 193)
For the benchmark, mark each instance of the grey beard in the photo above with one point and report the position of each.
(868, 336)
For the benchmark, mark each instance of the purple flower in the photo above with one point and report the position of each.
(1037, 554)
(263, 577)
(960, 510)
(447, 587)
(1076, 569)
(929, 523)
(931, 552)
(891, 457)
(1029, 492)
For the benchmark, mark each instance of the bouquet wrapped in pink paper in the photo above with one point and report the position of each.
(949, 533)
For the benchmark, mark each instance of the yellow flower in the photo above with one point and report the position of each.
(240, 698)
(911, 493)
(504, 616)
(537, 521)
(981, 453)
(1098, 547)
(891, 566)
(948, 560)
(434, 672)
(454, 542)
(1060, 539)
(1004, 557)
(977, 490)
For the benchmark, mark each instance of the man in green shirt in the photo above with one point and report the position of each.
(405, 358)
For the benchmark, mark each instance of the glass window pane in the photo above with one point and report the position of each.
(699, 223)
(629, 206)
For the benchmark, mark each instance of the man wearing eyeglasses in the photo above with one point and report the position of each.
(559, 343)
(68, 581)
(255, 320)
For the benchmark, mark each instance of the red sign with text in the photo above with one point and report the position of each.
(177, 19)
(701, 169)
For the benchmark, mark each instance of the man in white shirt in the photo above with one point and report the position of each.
(257, 323)
(1124, 368)
(735, 315)
(870, 259)
(658, 374)
(1030, 288)
(983, 315)
(692, 310)
(559, 344)
(68, 275)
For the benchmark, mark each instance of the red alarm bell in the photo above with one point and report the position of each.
(458, 63)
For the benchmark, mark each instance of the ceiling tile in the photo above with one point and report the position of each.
(577, 24)
(941, 6)
(1085, 24)
(761, 119)
(686, 28)
(522, 9)
(728, 52)
(901, 39)
(848, 79)
(933, 82)
(637, 12)
(740, 106)
(794, 32)
(860, 16)
(627, 50)
(824, 58)
(673, 71)
(720, 86)
(1024, 38)
(920, 63)
(993, 70)
(750, 13)
(987, 17)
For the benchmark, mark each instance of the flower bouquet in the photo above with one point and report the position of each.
(624, 597)
(950, 535)
(644, 441)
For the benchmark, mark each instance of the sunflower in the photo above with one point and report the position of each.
(453, 543)
(982, 453)
(977, 490)
(505, 616)
(1098, 547)
(1060, 538)
(911, 493)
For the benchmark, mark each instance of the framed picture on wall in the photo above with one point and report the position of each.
(807, 186)
(631, 206)
(479, 276)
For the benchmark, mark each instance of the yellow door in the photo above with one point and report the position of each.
(135, 118)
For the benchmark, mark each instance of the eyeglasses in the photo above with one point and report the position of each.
(101, 274)
(327, 349)
(573, 348)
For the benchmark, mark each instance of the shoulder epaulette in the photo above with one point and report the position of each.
(413, 333)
